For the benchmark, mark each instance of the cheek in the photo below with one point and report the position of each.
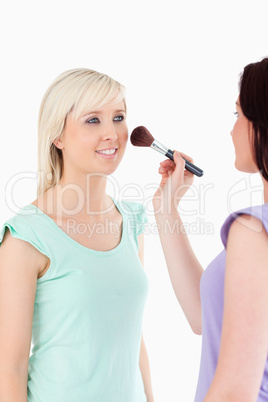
(240, 137)
(123, 135)
(80, 146)
(86, 140)
(125, 138)
(244, 159)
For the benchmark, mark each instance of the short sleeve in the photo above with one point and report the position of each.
(21, 229)
(142, 219)
(135, 213)
(260, 212)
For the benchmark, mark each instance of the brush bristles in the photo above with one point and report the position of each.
(141, 137)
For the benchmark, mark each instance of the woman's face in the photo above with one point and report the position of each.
(242, 135)
(96, 142)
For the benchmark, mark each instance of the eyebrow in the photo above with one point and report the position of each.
(237, 103)
(98, 111)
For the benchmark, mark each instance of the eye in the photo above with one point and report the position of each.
(93, 120)
(119, 118)
(236, 114)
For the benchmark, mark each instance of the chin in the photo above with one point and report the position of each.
(108, 170)
(246, 168)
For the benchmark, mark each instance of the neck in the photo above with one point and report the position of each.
(86, 196)
(265, 191)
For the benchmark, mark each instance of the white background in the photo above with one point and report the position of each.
(180, 62)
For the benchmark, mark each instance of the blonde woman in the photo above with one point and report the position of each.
(71, 277)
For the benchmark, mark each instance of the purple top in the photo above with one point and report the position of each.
(212, 298)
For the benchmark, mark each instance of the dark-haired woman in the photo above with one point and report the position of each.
(228, 302)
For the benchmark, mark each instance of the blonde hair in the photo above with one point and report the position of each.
(80, 91)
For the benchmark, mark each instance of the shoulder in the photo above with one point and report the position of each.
(16, 249)
(135, 211)
(247, 235)
(132, 206)
(17, 236)
(135, 214)
(46, 202)
(246, 221)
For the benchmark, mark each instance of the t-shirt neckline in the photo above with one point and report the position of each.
(78, 245)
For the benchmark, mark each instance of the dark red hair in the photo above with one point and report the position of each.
(254, 104)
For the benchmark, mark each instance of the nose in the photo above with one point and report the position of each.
(231, 133)
(110, 133)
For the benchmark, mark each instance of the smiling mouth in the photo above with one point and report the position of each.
(110, 151)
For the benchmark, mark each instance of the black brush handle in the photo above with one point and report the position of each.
(188, 165)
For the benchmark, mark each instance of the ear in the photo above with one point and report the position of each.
(58, 144)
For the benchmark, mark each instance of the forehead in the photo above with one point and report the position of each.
(109, 108)
(97, 99)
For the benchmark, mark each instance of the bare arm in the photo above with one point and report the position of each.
(144, 360)
(145, 372)
(184, 268)
(244, 341)
(20, 263)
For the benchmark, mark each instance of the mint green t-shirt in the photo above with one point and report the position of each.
(88, 310)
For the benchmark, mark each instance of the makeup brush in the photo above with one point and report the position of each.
(141, 137)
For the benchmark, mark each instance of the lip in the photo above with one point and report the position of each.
(106, 149)
(112, 156)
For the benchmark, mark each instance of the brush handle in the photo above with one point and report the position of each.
(188, 165)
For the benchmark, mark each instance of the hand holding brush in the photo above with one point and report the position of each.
(175, 182)
(141, 137)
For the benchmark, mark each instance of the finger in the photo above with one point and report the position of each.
(167, 162)
(187, 157)
(165, 168)
(164, 174)
(178, 174)
(162, 170)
